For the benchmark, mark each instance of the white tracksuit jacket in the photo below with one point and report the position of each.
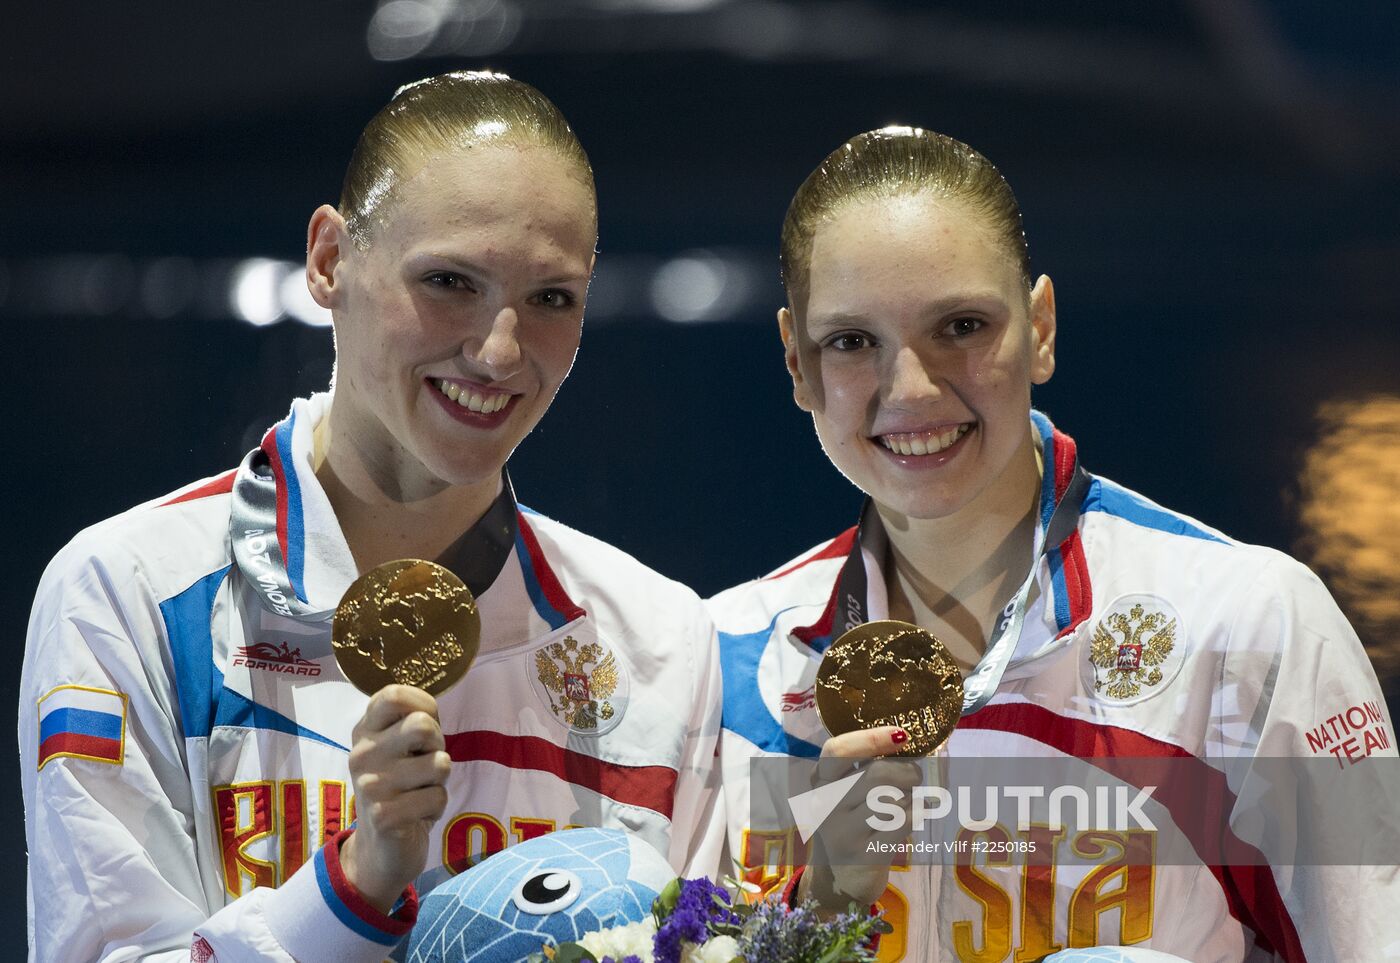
(1263, 665)
(185, 749)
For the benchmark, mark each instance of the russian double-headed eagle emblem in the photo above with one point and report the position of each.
(580, 679)
(1134, 657)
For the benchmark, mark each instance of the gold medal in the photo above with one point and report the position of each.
(409, 621)
(891, 674)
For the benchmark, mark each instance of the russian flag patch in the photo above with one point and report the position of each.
(82, 722)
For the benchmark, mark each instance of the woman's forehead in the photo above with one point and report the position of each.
(498, 168)
(905, 232)
(533, 186)
(906, 251)
(918, 213)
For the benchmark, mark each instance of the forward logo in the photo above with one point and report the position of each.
(275, 658)
(797, 701)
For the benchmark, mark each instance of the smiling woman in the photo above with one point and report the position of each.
(910, 301)
(1090, 623)
(455, 270)
(456, 321)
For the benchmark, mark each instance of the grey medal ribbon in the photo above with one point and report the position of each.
(253, 533)
(981, 684)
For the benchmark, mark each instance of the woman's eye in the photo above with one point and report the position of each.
(546, 891)
(555, 298)
(448, 280)
(847, 341)
(961, 327)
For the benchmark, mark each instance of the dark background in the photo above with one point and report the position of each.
(1213, 184)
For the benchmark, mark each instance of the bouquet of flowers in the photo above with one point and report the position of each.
(694, 921)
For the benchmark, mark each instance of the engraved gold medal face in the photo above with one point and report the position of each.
(891, 674)
(409, 621)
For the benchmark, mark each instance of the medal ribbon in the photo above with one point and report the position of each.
(476, 558)
(981, 684)
(256, 547)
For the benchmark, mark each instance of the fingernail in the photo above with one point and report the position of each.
(899, 737)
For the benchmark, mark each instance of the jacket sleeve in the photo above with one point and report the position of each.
(1315, 777)
(697, 819)
(120, 867)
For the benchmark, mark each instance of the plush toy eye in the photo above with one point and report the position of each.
(547, 891)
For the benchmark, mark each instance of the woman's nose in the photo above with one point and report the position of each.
(500, 349)
(912, 377)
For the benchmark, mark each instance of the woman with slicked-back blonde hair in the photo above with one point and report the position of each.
(1091, 627)
(430, 118)
(194, 757)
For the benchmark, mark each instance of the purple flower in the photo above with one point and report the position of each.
(775, 934)
(700, 902)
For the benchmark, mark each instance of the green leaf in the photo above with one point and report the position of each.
(573, 953)
(880, 926)
(666, 901)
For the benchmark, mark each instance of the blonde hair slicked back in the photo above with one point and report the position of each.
(892, 162)
(443, 115)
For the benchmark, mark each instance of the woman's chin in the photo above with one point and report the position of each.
(922, 507)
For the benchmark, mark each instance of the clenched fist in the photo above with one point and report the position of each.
(398, 765)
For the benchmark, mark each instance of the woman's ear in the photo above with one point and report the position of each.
(1042, 330)
(789, 332)
(327, 242)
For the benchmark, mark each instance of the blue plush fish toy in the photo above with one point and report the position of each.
(548, 890)
(1112, 954)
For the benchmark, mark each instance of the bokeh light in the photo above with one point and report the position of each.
(1349, 516)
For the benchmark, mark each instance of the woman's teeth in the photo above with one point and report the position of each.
(473, 400)
(923, 442)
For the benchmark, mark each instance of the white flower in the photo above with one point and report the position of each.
(721, 949)
(634, 939)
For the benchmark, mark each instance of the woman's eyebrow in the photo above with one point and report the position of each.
(417, 257)
(836, 319)
(943, 305)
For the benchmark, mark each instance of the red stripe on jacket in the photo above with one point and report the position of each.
(549, 582)
(1075, 565)
(274, 457)
(650, 787)
(221, 485)
(838, 547)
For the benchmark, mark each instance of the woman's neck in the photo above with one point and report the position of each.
(385, 507)
(953, 575)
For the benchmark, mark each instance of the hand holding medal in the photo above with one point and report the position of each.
(884, 689)
(403, 633)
